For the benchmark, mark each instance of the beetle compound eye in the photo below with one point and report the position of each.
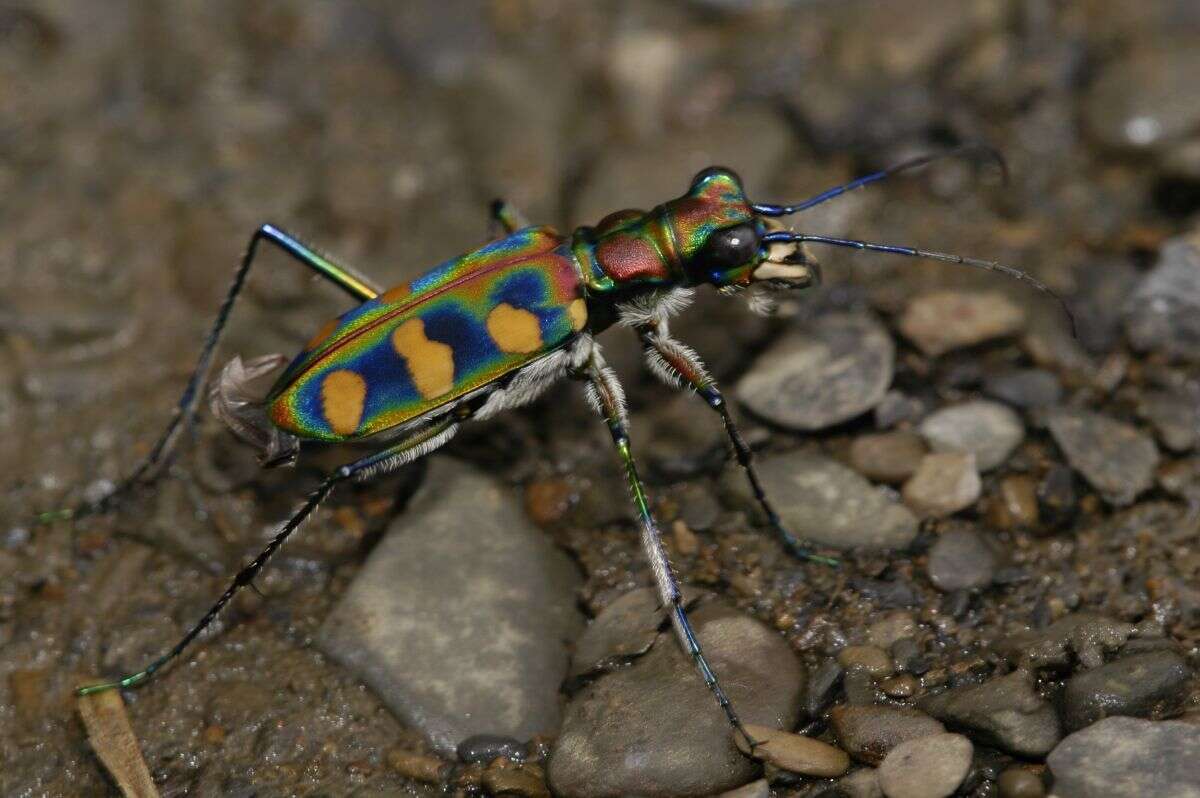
(728, 248)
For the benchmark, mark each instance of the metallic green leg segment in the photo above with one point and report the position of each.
(152, 465)
(607, 395)
(420, 443)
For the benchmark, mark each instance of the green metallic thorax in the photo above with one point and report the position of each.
(633, 249)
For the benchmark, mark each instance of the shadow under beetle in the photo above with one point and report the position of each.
(491, 330)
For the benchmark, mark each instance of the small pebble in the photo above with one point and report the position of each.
(928, 767)
(418, 767)
(890, 457)
(1150, 685)
(1020, 782)
(944, 484)
(794, 752)
(861, 783)
(907, 656)
(1024, 388)
(1162, 313)
(1175, 416)
(1144, 757)
(822, 684)
(874, 661)
(988, 430)
(944, 320)
(1004, 712)
(902, 686)
(961, 559)
(1016, 504)
(686, 542)
(483, 748)
(891, 627)
(1115, 458)
(869, 732)
(836, 368)
(827, 503)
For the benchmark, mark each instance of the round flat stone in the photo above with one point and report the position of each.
(944, 483)
(1115, 458)
(825, 502)
(795, 752)
(1128, 756)
(988, 430)
(928, 767)
(941, 321)
(644, 723)
(830, 371)
(460, 617)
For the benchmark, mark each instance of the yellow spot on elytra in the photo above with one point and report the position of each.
(326, 329)
(395, 294)
(577, 313)
(431, 363)
(514, 330)
(342, 395)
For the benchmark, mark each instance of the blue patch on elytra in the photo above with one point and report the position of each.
(471, 345)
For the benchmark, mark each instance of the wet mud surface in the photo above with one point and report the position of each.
(142, 143)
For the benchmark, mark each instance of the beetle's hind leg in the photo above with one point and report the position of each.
(419, 443)
(154, 464)
(607, 396)
(676, 364)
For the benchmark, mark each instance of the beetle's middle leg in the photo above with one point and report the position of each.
(677, 364)
(421, 442)
(153, 465)
(607, 396)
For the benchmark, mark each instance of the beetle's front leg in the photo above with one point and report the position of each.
(608, 398)
(153, 464)
(678, 365)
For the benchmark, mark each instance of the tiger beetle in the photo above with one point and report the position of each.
(492, 330)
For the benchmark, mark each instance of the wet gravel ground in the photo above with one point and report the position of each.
(1017, 510)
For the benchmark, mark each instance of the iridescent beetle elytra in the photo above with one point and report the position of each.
(491, 330)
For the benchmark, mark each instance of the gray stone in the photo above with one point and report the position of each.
(887, 456)
(1128, 756)
(1024, 388)
(961, 559)
(928, 767)
(832, 370)
(1175, 416)
(1164, 312)
(1143, 99)
(944, 483)
(941, 321)
(459, 620)
(1116, 459)
(861, 783)
(1151, 685)
(825, 502)
(868, 733)
(1081, 636)
(1004, 712)
(645, 723)
(988, 430)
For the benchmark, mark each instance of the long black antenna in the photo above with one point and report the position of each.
(787, 237)
(903, 166)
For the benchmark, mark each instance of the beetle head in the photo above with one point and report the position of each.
(722, 238)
